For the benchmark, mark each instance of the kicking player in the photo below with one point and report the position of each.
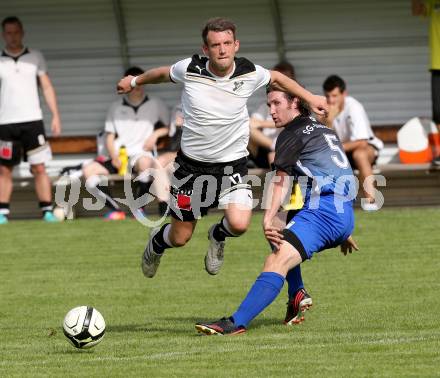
(311, 152)
(214, 141)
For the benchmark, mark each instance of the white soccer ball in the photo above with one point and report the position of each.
(84, 327)
(59, 213)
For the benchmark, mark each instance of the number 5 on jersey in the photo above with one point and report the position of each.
(332, 141)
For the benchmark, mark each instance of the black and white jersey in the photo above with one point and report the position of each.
(19, 101)
(216, 119)
(132, 125)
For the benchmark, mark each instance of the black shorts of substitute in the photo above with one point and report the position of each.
(435, 94)
(197, 186)
(27, 139)
(107, 164)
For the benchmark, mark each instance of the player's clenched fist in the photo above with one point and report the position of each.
(319, 105)
(124, 85)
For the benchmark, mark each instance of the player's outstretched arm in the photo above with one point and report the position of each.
(153, 76)
(318, 104)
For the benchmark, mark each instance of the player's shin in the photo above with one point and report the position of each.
(223, 230)
(161, 239)
(264, 291)
(294, 280)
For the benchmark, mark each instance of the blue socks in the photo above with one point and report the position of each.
(294, 281)
(264, 291)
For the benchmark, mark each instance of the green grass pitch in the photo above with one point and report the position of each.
(375, 313)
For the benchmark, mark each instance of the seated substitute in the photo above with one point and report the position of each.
(349, 119)
(135, 121)
(263, 133)
(312, 153)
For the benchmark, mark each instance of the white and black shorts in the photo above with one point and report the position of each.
(198, 186)
(26, 139)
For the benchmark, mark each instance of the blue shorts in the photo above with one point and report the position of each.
(313, 230)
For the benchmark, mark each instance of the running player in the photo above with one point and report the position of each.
(214, 141)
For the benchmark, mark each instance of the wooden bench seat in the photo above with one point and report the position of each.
(407, 185)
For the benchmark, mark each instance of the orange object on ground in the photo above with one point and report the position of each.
(418, 141)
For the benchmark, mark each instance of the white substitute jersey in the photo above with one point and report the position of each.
(353, 124)
(216, 119)
(132, 125)
(19, 101)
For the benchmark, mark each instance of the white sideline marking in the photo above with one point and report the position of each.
(165, 355)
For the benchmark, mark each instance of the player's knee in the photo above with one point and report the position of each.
(239, 226)
(180, 239)
(38, 169)
(276, 262)
(284, 259)
(359, 152)
(93, 169)
(5, 171)
(360, 155)
(144, 163)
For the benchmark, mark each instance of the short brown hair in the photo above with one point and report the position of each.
(285, 68)
(332, 82)
(303, 107)
(11, 20)
(217, 24)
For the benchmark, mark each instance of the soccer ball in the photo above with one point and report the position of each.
(58, 212)
(84, 327)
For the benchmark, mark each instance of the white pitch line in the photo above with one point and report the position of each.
(167, 355)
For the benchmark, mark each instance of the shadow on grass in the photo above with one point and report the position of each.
(71, 350)
(148, 328)
(180, 325)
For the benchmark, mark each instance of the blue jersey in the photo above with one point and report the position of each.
(313, 154)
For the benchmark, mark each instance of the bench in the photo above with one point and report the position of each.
(73, 150)
(407, 185)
